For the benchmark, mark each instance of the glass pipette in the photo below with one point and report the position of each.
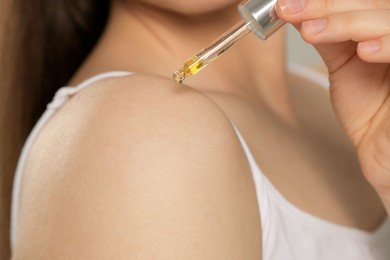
(258, 16)
(207, 55)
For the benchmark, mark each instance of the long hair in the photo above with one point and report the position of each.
(42, 43)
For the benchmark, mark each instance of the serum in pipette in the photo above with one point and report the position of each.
(258, 16)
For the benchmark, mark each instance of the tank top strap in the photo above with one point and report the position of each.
(60, 98)
(266, 193)
(261, 184)
(63, 94)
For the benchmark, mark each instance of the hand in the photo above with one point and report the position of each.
(353, 38)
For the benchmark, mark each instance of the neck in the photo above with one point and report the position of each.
(252, 69)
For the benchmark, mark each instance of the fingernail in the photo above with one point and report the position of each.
(291, 6)
(314, 26)
(370, 46)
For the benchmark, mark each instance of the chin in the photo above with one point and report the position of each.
(192, 7)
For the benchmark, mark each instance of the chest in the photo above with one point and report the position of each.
(314, 169)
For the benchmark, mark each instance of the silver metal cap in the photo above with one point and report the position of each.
(261, 17)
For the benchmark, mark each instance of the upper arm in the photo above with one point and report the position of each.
(142, 171)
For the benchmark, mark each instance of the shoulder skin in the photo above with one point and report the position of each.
(136, 168)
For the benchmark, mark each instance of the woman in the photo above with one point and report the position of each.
(131, 167)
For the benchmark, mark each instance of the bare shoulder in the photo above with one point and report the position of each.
(136, 168)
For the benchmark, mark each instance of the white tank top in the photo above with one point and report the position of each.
(287, 231)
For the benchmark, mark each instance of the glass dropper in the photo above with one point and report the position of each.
(258, 16)
(207, 55)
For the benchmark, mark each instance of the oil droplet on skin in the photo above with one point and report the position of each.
(190, 67)
(179, 77)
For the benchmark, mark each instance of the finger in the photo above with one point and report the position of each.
(295, 11)
(377, 51)
(357, 26)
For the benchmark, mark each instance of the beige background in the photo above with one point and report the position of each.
(299, 51)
